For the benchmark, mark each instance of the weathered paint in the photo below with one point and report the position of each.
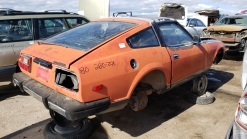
(109, 64)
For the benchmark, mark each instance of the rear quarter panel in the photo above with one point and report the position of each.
(116, 75)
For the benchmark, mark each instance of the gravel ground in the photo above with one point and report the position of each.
(166, 116)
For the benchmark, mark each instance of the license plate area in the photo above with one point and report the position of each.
(43, 73)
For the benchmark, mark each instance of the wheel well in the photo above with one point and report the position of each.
(156, 79)
(218, 57)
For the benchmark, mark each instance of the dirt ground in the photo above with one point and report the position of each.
(167, 115)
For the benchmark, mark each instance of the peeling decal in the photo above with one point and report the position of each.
(121, 45)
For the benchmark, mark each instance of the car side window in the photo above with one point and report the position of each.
(48, 27)
(174, 36)
(200, 23)
(16, 30)
(192, 23)
(76, 21)
(145, 38)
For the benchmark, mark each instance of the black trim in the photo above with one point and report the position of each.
(188, 78)
(68, 107)
(42, 62)
(229, 133)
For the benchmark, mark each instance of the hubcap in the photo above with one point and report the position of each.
(67, 130)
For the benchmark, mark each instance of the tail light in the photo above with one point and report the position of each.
(25, 62)
(241, 112)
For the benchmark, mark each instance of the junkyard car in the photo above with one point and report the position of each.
(231, 30)
(19, 29)
(105, 65)
(238, 128)
(195, 26)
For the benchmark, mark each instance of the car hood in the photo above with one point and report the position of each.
(226, 28)
(56, 54)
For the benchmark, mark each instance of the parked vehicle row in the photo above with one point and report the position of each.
(19, 29)
(232, 30)
(110, 63)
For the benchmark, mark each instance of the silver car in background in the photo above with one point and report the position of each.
(238, 128)
(195, 26)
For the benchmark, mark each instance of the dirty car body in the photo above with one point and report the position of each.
(232, 30)
(96, 68)
(238, 127)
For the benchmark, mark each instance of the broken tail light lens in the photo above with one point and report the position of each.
(241, 112)
(67, 79)
(24, 62)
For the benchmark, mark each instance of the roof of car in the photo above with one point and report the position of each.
(7, 13)
(149, 19)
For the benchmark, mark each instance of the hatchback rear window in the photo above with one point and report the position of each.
(89, 35)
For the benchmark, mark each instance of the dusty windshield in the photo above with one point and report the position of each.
(89, 35)
(172, 10)
(233, 21)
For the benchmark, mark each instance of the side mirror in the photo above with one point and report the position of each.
(196, 39)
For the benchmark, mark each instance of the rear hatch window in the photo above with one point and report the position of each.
(89, 35)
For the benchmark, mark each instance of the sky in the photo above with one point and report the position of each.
(138, 7)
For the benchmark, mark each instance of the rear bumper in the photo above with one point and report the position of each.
(68, 107)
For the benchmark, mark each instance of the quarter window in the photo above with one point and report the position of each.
(144, 38)
(200, 23)
(16, 30)
(48, 27)
(173, 35)
(76, 21)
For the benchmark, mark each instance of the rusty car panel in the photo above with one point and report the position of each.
(107, 60)
(231, 30)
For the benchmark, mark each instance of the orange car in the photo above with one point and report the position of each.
(106, 64)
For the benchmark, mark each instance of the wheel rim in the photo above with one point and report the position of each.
(67, 130)
(202, 85)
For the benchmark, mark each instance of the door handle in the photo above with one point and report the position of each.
(175, 56)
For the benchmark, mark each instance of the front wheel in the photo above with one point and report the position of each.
(200, 85)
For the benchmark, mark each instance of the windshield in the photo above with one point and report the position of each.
(89, 35)
(232, 21)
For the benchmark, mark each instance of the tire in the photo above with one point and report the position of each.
(205, 33)
(83, 132)
(243, 44)
(205, 99)
(200, 84)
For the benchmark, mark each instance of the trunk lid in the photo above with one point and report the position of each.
(56, 54)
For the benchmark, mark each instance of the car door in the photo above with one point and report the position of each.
(15, 35)
(187, 58)
(199, 25)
